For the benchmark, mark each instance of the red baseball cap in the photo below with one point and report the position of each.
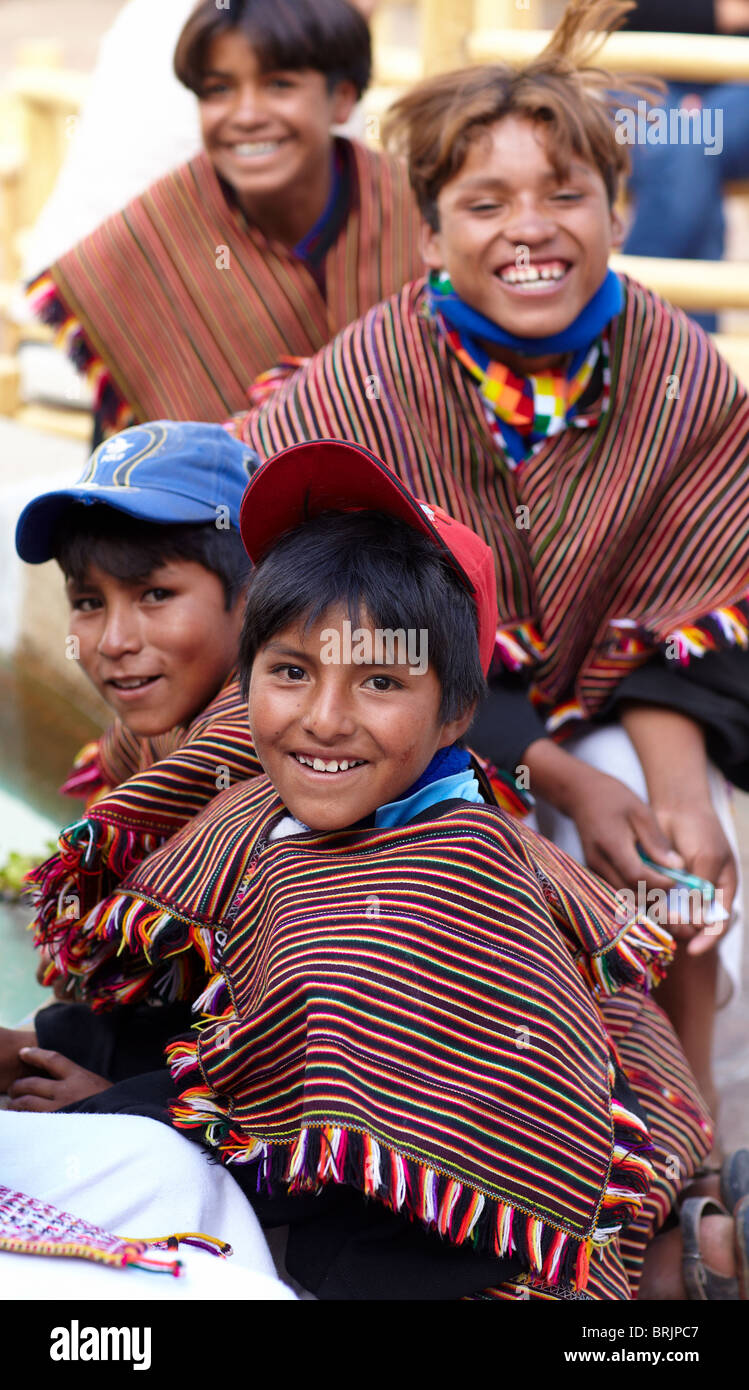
(323, 475)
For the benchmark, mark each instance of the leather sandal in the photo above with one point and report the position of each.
(702, 1283)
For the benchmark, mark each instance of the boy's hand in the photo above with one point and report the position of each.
(695, 831)
(65, 1083)
(611, 821)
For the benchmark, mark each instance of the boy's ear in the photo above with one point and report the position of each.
(343, 100)
(431, 247)
(456, 728)
(619, 228)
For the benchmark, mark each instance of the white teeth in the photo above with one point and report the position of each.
(319, 765)
(531, 274)
(247, 149)
(132, 684)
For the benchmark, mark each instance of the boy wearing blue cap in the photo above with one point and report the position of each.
(155, 573)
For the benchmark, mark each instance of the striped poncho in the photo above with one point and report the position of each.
(174, 305)
(408, 1011)
(172, 778)
(612, 542)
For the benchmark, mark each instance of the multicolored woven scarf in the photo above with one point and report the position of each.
(126, 824)
(409, 1011)
(214, 301)
(523, 411)
(29, 1226)
(614, 543)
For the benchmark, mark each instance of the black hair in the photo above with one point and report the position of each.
(130, 549)
(368, 561)
(327, 36)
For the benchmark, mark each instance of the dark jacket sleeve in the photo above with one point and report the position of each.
(506, 722)
(673, 16)
(713, 690)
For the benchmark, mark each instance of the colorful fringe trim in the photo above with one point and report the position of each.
(640, 955)
(270, 381)
(93, 857)
(720, 627)
(460, 1213)
(87, 780)
(507, 794)
(47, 304)
(516, 647)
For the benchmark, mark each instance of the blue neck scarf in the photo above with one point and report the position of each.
(606, 303)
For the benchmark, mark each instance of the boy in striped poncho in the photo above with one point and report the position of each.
(268, 242)
(594, 437)
(406, 996)
(155, 573)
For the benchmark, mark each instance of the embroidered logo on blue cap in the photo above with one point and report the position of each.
(131, 447)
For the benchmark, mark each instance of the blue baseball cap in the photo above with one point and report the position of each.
(167, 471)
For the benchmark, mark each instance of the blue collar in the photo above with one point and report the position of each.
(448, 776)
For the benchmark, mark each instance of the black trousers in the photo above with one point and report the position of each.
(124, 1042)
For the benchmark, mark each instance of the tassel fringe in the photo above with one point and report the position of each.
(640, 956)
(46, 304)
(460, 1213)
(92, 859)
(517, 647)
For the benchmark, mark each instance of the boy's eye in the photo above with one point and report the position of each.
(157, 595)
(278, 81)
(292, 673)
(485, 206)
(567, 197)
(85, 603)
(383, 683)
(213, 89)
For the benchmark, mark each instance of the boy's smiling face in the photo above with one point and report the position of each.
(266, 131)
(158, 649)
(521, 247)
(380, 720)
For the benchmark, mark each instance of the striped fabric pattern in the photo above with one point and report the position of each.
(180, 303)
(398, 1010)
(637, 536)
(678, 1119)
(121, 828)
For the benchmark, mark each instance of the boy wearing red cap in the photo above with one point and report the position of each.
(406, 997)
(594, 436)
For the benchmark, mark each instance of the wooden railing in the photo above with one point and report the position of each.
(678, 57)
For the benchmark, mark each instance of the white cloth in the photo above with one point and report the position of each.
(610, 749)
(133, 1177)
(136, 124)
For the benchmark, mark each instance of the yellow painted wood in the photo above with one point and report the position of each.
(73, 424)
(735, 348)
(699, 285)
(681, 57)
(445, 27)
(10, 385)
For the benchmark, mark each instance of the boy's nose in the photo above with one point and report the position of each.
(327, 715)
(121, 632)
(529, 225)
(248, 107)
